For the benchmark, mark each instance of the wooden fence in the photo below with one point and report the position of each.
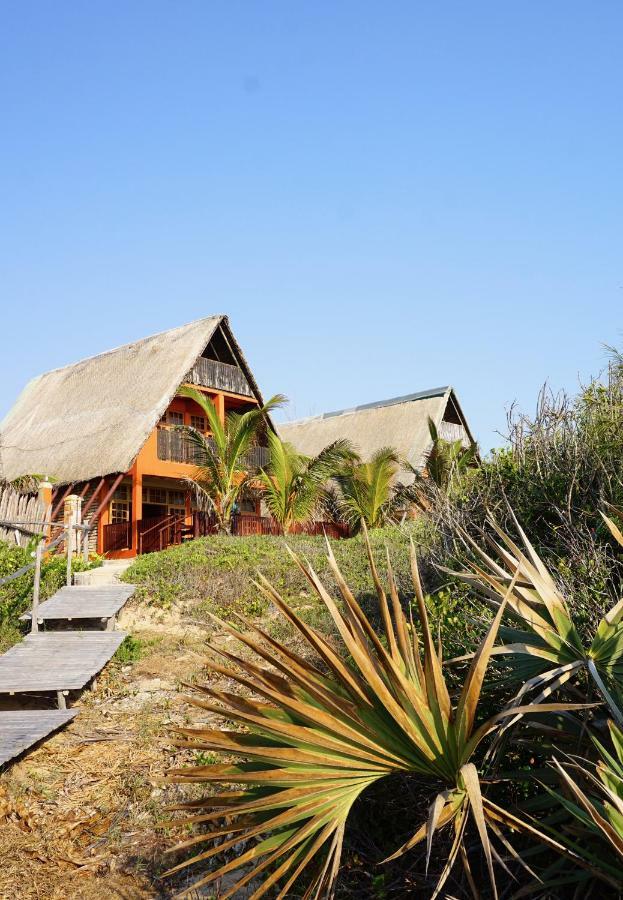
(20, 515)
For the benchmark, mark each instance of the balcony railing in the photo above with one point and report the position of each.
(212, 374)
(452, 431)
(174, 446)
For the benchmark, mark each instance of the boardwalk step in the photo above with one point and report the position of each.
(20, 729)
(85, 602)
(56, 660)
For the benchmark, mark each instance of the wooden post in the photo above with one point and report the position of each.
(34, 624)
(85, 543)
(68, 544)
(136, 506)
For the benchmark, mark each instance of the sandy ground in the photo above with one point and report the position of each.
(82, 815)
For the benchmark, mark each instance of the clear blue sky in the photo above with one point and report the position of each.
(384, 197)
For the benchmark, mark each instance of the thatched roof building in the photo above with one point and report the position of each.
(401, 422)
(92, 418)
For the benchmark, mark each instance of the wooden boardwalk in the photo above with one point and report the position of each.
(56, 660)
(84, 602)
(20, 729)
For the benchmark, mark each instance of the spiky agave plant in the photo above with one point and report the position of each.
(546, 641)
(321, 735)
(598, 809)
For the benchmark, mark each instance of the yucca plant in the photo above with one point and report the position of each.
(598, 809)
(321, 734)
(546, 640)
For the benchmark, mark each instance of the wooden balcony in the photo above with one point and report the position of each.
(174, 446)
(451, 431)
(220, 376)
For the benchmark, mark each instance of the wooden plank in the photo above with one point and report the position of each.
(84, 602)
(56, 660)
(20, 729)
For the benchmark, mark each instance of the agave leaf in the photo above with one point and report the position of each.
(614, 529)
(470, 779)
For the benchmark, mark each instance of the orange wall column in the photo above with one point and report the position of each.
(219, 402)
(137, 504)
(104, 518)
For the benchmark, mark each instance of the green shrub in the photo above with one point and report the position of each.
(562, 467)
(217, 572)
(129, 651)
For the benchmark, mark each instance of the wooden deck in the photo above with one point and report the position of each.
(56, 660)
(20, 729)
(84, 602)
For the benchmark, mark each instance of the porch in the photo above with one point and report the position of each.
(159, 532)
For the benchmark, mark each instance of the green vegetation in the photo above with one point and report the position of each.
(216, 574)
(129, 651)
(448, 463)
(293, 485)
(336, 732)
(561, 469)
(325, 732)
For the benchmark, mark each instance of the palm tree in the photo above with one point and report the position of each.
(293, 484)
(222, 472)
(448, 461)
(370, 493)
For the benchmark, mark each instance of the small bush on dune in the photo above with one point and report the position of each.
(217, 572)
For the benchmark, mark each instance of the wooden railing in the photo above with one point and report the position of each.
(246, 525)
(452, 431)
(212, 374)
(174, 446)
(117, 536)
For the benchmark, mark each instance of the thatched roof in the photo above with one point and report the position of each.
(91, 418)
(401, 422)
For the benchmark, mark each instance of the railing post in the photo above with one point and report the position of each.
(70, 517)
(68, 545)
(85, 543)
(34, 623)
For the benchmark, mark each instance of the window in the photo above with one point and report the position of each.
(176, 498)
(198, 422)
(119, 511)
(156, 495)
(175, 418)
(247, 507)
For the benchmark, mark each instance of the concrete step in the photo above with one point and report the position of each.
(109, 573)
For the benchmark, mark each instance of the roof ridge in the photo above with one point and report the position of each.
(392, 401)
(142, 340)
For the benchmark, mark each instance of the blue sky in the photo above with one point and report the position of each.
(384, 197)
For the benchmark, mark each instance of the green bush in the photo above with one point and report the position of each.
(561, 469)
(129, 651)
